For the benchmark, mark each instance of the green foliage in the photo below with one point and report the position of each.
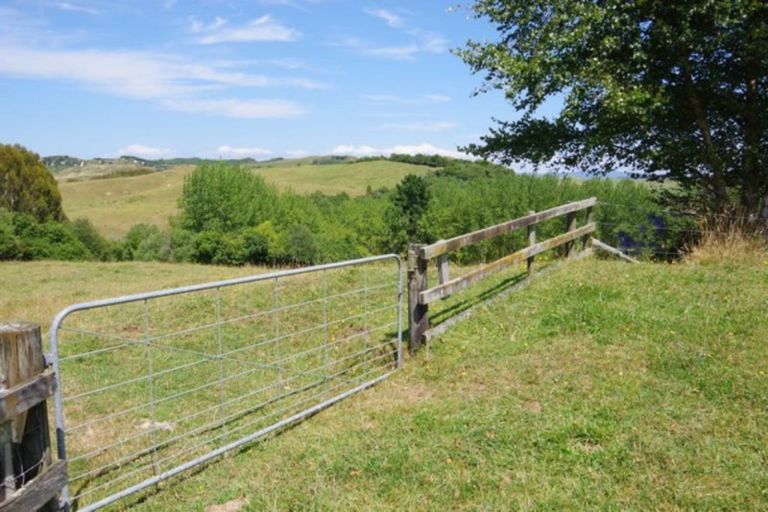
(419, 159)
(267, 227)
(408, 204)
(86, 232)
(223, 197)
(668, 90)
(145, 242)
(26, 186)
(33, 240)
(219, 248)
(300, 245)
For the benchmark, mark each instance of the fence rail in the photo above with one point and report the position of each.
(419, 255)
(152, 384)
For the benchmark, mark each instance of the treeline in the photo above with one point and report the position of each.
(231, 216)
(417, 159)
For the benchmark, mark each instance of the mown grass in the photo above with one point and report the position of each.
(116, 204)
(600, 386)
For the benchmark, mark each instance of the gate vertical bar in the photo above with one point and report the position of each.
(326, 334)
(58, 406)
(151, 380)
(220, 346)
(276, 348)
(399, 327)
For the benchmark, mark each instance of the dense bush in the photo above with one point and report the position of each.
(23, 237)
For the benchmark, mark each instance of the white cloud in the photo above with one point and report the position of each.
(296, 153)
(392, 19)
(437, 98)
(349, 149)
(239, 152)
(196, 26)
(393, 99)
(394, 52)
(66, 6)
(244, 109)
(142, 151)
(423, 148)
(433, 126)
(421, 41)
(427, 149)
(258, 30)
(165, 79)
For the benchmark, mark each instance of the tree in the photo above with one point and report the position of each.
(26, 186)
(225, 198)
(408, 204)
(668, 90)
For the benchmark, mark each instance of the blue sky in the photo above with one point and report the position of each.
(259, 78)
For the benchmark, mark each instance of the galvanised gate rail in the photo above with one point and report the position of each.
(152, 384)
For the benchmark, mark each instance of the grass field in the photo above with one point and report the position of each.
(601, 386)
(114, 205)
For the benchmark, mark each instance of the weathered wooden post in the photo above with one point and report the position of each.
(531, 242)
(570, 223)
(26, 442)
(443, 274)
(418, 319)
(586, 238)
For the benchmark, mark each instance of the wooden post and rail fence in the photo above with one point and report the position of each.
(30, 480)
(420, 295)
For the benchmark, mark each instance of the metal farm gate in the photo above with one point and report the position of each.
(152, 384)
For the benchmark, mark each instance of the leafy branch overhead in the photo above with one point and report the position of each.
(667, 90)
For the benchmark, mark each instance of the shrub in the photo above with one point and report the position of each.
(86, 232)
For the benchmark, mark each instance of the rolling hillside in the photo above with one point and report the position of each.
(116, 204)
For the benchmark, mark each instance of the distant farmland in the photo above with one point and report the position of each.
(116, 204)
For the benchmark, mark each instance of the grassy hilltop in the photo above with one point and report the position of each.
(116, 204)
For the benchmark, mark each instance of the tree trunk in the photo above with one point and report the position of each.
(711, 156)
(753, 182)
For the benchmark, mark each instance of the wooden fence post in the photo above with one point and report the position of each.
(570, 222)
(531, 242)
(418, 319)
(26, 442)
(443, 274)
(586, 238)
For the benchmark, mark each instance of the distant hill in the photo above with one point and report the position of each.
(127, 193)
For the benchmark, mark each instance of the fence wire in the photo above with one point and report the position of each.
(152, 384)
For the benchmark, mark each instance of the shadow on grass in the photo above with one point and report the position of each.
(459, 307)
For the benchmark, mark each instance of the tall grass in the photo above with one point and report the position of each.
(730, 238)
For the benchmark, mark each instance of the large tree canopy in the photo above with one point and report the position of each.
(26, 186)
(665, 89)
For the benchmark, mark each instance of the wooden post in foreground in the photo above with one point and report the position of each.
(570, 222)
(531, 241)
(418, 319)
(25, 441)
